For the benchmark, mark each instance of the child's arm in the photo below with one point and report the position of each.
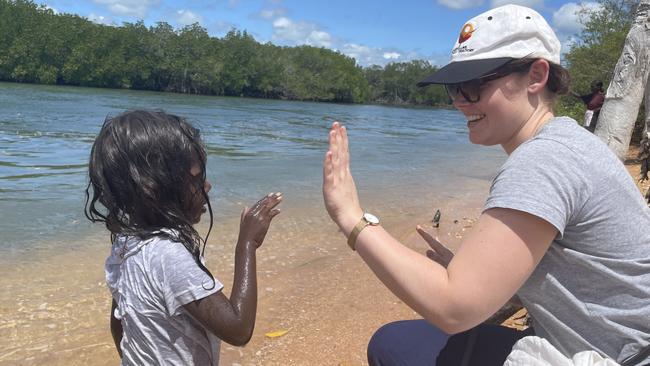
(116, 329)
(233, 319)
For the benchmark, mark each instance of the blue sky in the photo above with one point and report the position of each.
(371, 31)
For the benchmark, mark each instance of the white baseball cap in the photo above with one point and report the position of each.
(492, 39)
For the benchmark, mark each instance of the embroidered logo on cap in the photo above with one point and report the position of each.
(466, 33)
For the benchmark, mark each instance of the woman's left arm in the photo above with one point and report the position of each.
(494, 260)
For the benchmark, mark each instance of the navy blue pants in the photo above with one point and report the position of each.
(417, 342)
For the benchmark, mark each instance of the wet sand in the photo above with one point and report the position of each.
(55, 305)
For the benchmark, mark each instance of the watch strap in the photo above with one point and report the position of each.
(352, 239)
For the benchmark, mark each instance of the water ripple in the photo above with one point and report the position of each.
(254, 146)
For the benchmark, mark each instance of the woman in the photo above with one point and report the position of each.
(564, 226)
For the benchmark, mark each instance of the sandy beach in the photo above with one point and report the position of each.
(310, 284)
(55, 305)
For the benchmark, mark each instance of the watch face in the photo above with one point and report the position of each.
(372, 219)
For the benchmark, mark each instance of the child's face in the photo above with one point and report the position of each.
(197, 205)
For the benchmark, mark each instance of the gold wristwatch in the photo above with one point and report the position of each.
(366, 219)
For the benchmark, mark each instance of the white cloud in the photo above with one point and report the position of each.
(269, 14)
(568, 21)
(186, 17)
(367, 56)
(51, 8)
(100, 19)
(570, 17)
(460, 4)
(320, 38)
(439, 60)
(286, 30)
(391, 55)
(137, 8)
(535, 4)
(282, 23)
(289, 32)
(222, 27)
(568, 42)
(363, 54)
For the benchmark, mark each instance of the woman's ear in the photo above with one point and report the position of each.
(538, 76)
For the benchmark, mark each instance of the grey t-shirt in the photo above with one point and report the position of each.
(151, 280)
(591, 289)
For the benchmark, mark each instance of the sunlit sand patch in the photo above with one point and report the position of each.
(56, 306)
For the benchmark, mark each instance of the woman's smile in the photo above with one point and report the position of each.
(474, 119)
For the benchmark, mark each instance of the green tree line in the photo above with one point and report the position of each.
(39, 46)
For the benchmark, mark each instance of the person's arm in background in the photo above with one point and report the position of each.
(493, 262)
(116, 329)
(586, 98)
(596, 101)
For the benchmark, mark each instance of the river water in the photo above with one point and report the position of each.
(406, 162)
(255, 146)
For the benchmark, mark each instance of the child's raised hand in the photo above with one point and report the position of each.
(255, 221)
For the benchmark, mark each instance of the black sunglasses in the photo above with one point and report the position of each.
(471, 90)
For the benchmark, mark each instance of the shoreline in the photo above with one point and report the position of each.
(321, 101)
(56, 308)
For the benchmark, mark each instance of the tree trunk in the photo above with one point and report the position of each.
(625, 92)
(644, 152)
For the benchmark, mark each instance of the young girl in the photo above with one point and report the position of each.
(147, 170)
(564, 226)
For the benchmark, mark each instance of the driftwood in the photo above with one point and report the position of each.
(504, 313)
(626, 93)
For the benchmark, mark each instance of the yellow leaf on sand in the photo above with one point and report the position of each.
(277, 333)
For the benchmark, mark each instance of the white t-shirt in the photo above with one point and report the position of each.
(151, 280)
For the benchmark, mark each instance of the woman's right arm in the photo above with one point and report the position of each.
(233, 320)
(494, 260)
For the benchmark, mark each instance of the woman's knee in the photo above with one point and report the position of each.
(407, 342)
(384, 337)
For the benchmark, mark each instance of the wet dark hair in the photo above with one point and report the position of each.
(139, 171)
(558, 82)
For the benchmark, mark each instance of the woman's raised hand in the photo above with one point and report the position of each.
(339, 190)
(438, 251)
(255, 221)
